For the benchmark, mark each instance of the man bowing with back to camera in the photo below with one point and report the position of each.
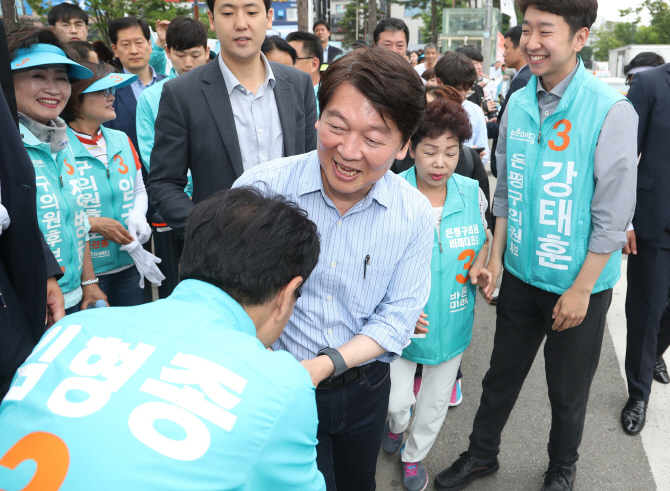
(565, 195)
(359, 308)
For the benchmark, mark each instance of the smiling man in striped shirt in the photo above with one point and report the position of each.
(359, 307)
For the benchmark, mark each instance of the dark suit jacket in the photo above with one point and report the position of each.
(650, 94)
(125, 106)
(519, 82)
(195, 129)
(333, 51)
(25, 258)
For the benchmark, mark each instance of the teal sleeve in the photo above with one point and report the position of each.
(158, 60)
(288, 457)
(189, 187)
(144, 122)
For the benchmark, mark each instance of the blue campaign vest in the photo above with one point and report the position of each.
(550, 184)
(451, 304)
(108, 192)
(174, 395)
(60, 210)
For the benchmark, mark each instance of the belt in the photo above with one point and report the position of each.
(347, 377)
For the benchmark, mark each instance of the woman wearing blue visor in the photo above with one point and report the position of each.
(42, 72)
(115, 199)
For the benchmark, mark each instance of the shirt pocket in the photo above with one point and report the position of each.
(364, 286)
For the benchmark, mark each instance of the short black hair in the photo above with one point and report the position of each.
(321, 23)
(272, 43)
(647, 58)
(456, 70)
(82, 48)
(267, 3)
(185, 33)
(359, 43)
(66, 11)
(577, 13)
(126, 23)
(514, 35)
(390, 24)
(311, 44)
(471, 52)
(249, 244)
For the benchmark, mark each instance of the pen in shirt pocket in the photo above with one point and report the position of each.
(366, 263)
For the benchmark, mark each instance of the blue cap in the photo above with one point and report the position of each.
(116, 80)
(48, 54)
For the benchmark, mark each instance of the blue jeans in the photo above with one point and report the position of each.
(122, 288)
(351, 424)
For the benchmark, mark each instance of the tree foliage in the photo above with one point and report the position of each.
(616, 34)
(102, 12)
(348, 22)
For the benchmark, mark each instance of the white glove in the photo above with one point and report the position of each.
(4, 219)
(145, 263)
(138, 227)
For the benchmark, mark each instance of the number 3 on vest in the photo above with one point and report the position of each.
(123, 167)
(466, 254)
(49, 452)
(562, 134)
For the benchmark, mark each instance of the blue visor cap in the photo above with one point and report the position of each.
(48, 54)
(113, 80)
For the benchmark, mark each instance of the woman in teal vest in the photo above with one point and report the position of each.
(115, 199)
(42, 71)
(460, 250)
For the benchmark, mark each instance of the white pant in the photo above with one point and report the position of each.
(432, 403)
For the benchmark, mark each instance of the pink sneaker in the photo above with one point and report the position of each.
(456, 394)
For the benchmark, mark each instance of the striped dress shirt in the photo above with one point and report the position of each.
(344, 296)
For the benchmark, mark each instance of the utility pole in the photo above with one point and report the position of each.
(357, 19)
(372, 20)
(486, 44)
(196, 10)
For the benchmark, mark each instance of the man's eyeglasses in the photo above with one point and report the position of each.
(108, 91)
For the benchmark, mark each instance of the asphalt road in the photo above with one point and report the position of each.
(610, 460)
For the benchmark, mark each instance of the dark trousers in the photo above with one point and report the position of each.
(647, 316)
(123, 288)
(351, 423)
(571, 359)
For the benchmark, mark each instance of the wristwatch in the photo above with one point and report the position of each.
(336, 358)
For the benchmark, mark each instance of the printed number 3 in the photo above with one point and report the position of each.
(562, 134)
(48, 451)
(466, 254)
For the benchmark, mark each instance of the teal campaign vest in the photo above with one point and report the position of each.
(550, 184)
(108, 192)
(451, 304)
(60, 207)
(174, 395)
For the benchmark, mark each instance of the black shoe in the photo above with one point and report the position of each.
(559, 477)
(661, 371)
(462, 472)
(633, 416)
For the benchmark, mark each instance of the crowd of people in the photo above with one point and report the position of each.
(319, 225)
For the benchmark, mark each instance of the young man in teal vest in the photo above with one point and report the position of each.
(180, 393)
(565, 197)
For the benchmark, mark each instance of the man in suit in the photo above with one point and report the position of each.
(648, 319)
(228, 116)
(29, 272)
(131, 42)
(322, 30)
(513, 59)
